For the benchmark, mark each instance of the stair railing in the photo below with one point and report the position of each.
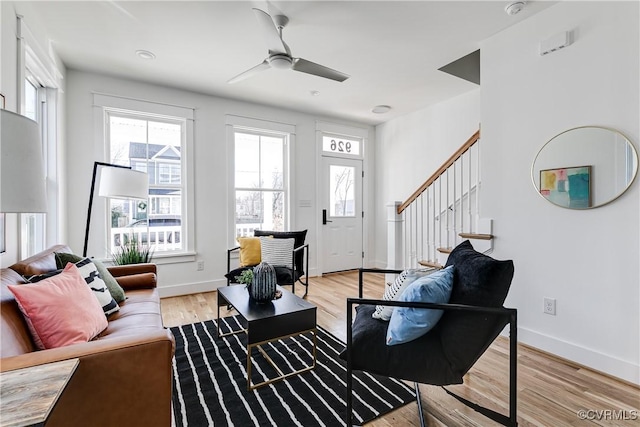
(444, 210)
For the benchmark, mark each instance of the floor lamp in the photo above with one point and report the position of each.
(116, 182)
(22, 185)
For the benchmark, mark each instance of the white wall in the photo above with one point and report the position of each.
(410, 148)
(211, 171)
(586, 260)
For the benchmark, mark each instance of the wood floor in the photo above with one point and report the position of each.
(551, 392)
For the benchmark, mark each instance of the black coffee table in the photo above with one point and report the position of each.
(284, 317)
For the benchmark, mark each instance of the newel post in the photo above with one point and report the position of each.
(395, 237)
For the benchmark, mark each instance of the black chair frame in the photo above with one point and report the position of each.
(304, 282)
(507, 313)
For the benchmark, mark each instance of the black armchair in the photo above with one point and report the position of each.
(285, 275)
(472, 320)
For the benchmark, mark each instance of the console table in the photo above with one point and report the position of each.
(27, 395)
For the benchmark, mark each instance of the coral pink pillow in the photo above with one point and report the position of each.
(60, 310)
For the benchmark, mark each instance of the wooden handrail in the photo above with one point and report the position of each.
(463, 149)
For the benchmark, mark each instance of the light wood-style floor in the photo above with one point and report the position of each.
(551, 392)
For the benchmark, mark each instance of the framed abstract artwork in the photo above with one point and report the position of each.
(569, 187)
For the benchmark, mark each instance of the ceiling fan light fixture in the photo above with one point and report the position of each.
(145, 54)
(282, 62)
(381, 109)
(514, 8)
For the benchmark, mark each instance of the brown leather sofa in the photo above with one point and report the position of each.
(124, 377)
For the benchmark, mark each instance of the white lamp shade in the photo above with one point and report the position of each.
(22, 185)
(121, 183)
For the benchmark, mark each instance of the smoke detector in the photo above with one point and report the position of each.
(514, 8)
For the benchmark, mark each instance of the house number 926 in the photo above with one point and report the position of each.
(340, 146)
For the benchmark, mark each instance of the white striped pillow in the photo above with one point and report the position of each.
(394, 290)
(90, 273)
(277, 252)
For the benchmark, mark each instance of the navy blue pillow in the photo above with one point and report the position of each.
(478, 280)
(419, 360)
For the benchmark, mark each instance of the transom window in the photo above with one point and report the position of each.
(344, 147)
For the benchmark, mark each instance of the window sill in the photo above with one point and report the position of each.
(169, 257)
(174, 257)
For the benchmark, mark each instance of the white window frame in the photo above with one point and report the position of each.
(107, 104)
(40, 68)
(261, 127)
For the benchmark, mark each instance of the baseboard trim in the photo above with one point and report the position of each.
(605, 363)
(190, 288)
(198, 287)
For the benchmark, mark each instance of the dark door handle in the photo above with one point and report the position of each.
(324, 217)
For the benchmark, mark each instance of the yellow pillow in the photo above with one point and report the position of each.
(250, 251)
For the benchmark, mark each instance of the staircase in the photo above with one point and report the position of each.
(441, 213)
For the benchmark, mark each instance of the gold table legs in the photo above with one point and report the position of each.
(258, 345)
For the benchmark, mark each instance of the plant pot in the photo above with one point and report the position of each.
(263, 286)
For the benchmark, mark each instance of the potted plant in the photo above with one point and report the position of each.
(246, 277)
(132, 252)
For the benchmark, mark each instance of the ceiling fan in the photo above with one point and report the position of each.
(280, 54)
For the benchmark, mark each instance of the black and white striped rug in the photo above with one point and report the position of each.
(210, 386)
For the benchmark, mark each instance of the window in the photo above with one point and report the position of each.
(152, 144)
(32, 225)
(260, 181)
(342, 194)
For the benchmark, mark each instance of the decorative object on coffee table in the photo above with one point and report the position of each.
(246, 277)
(263, 285)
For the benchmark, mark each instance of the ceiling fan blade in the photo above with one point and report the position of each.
(250, 72)
(270, 32)
(309, 67)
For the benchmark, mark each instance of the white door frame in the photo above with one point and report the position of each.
(347, 131)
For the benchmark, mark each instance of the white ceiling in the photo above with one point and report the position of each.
(392, 50)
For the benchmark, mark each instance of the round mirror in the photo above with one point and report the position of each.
(585, 167)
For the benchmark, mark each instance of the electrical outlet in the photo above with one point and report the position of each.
(200, 265)
(549, 306)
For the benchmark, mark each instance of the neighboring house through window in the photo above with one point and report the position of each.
(152, 145)
(157, 139)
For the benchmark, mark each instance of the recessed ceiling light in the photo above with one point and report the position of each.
(145, 54)
(514, 8)
(381, 109)
(314, 93)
